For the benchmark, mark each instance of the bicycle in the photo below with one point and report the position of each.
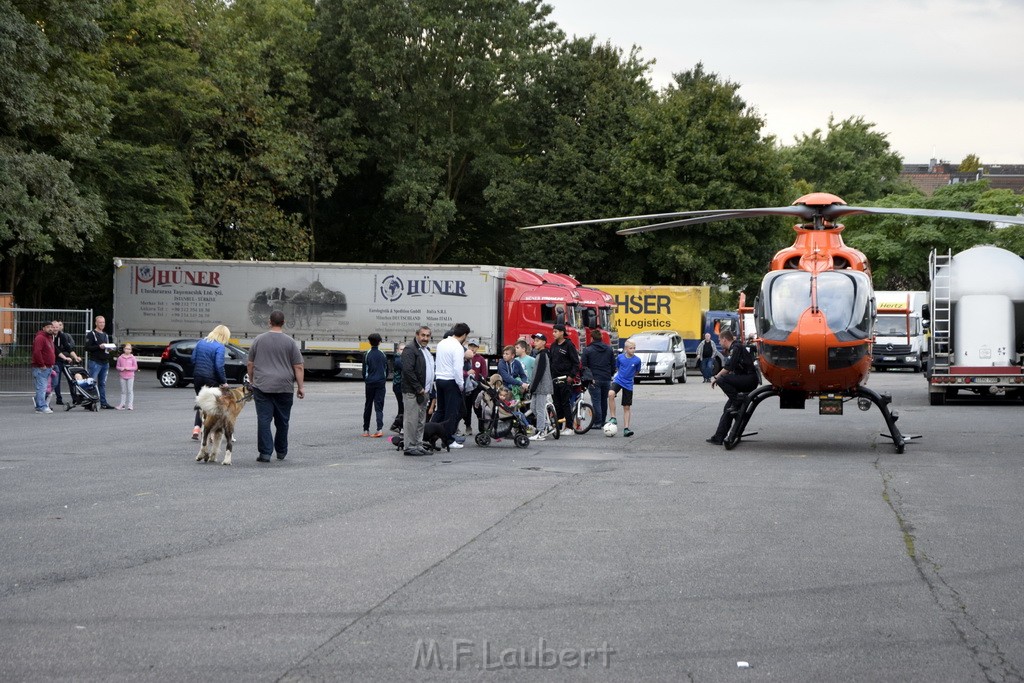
(582, 410)
(549, 408)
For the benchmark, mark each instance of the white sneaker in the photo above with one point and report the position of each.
(567, 432)
(44, 410)
(455, 444)
(537, 437)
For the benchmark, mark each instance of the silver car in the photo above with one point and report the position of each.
(662, 356)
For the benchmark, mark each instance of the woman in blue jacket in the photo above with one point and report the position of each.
(208, 367)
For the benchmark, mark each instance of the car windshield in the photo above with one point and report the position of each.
(652, 344)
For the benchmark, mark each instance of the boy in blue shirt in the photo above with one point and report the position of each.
(626, 367)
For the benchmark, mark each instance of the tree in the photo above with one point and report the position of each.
(970, 164)
(700, 147)
(577, 120)
(161, 102)
(415, 94)
(257, 166)
(850, 160)
(52, 110)
(898, 246)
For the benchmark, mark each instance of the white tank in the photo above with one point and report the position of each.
(987, 270)
(987, 297)
(984, 325)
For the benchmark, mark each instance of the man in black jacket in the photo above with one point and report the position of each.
(417, 378)
(599, 358)
(565, 361)
(736, 376)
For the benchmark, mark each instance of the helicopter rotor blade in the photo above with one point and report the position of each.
(619, 219)
(835, 211)
(803, 212)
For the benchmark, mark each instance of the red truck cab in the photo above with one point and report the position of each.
(533, 305)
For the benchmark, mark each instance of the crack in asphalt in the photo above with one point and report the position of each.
(299, 671)
(984, 649)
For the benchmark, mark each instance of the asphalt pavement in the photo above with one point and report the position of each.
(810, 552)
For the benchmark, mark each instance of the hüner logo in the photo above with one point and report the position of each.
(392, 288)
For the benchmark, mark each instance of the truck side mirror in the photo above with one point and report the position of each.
(926, 314)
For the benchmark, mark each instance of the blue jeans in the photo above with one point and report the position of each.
(98, 371)
(276, 407)
(705, 367)
(599, 400)
(375, 393)
(41, 376)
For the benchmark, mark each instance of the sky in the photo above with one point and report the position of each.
(941, 78)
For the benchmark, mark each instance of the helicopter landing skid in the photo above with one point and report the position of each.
(755, 397)
(747, 409)
(883, 401)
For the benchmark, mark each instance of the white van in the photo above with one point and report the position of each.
(900, 340)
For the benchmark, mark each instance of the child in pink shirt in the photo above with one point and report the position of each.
(127, 366)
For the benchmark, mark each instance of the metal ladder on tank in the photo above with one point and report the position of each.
(941, 311)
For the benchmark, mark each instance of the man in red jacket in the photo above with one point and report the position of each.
(43, 358)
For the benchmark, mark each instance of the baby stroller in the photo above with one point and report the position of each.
(84, 392)
(498, 420)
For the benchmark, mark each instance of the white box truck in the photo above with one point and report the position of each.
(976, 307)
(900, 340)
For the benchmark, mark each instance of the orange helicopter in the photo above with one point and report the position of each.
(815, 310)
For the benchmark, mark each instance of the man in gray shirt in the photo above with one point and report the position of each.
(275, 363)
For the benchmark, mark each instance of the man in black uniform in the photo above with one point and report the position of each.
(565, 361)
(736, 376)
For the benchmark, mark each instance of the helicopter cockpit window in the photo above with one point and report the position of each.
(844, 297)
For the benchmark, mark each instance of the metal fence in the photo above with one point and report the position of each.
(18, 328)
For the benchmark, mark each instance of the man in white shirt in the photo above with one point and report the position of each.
(449, 379)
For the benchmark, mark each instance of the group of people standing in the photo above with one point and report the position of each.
(531, 367)
(53, 350)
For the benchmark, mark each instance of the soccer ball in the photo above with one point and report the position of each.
(611, 429)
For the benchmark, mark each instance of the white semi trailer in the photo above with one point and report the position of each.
(976, 306)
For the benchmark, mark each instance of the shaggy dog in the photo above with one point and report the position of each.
(220, 410)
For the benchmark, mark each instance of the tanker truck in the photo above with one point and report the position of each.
(331, 308)
(976, 308)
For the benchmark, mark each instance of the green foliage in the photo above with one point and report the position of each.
(700, 147)
(850, 160)
(898, 246)
(401, 130)
(415, 96)
(577, 122)
(257, 165)
(52, 110)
